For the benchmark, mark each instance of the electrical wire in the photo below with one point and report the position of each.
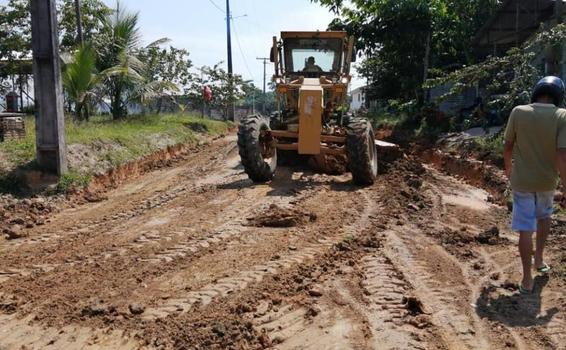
(216, 5)
(242, 51)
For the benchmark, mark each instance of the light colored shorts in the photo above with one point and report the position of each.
(528, 207)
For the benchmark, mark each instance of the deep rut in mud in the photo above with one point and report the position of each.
(195, 256)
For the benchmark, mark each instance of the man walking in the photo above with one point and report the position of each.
(535, 152)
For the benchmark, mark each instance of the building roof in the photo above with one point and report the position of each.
(513, 23)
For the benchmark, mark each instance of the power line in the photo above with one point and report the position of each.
(216, 5)
(242, 52)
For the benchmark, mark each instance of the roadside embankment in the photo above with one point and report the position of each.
(101, 154)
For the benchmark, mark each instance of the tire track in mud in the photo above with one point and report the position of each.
(120, 222)
(158, 199)
(385, 286)
(458, 327)
(18, 333)
(443, 218)
(229, 285)
(170, 244)
(476, 285)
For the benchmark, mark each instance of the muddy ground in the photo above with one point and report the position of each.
(196, 256)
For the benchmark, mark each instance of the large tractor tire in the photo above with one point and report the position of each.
(257, 151)
(361, 151)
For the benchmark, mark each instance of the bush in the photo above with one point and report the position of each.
(71, 181)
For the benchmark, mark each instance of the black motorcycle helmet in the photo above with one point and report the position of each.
(552, 87)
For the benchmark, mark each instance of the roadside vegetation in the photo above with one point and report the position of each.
(411, 47)
(109, 142)
(115, 71)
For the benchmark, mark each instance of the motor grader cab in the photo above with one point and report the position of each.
(312, 75)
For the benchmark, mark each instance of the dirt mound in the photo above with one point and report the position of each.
(17, 215)
(490, 236)
(277, 216)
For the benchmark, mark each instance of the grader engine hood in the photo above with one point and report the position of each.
(310, 116)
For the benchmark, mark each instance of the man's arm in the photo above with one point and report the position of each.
(508, 157)
(509, 137)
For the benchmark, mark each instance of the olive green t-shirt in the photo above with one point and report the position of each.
(537, 130)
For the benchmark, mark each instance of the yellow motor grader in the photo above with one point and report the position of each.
(312, 75)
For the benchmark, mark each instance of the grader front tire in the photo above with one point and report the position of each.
(250, 144)
(361, 151)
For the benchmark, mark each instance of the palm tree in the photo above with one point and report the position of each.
(80, 79)
(118, 48)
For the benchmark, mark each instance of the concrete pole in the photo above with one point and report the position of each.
(50, 127)
(232, 103)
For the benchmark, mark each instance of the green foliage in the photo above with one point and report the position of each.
(21, 151)
(509, 79)
(71, 181)
(15, 30)
(80, 79)
(130, 138)
(385, 120)
(170, 65)
(91, 13)
(221, 83)
(492, 145)
(254, 93)
(404, 39)
(117, 46)
(15, 25)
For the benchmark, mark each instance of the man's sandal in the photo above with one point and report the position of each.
(544, 268)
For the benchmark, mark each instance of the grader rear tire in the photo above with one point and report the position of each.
(250, 144)
(361, 151)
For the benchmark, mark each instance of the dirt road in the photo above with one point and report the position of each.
(195, 256)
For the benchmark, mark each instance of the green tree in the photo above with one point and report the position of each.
(171, 65)
(15, 25)
(254, 96)
(220, 83)
(92, 14)
(118, 47)
(509, 79)
(15, 30)
(80, 80)
(403, 40)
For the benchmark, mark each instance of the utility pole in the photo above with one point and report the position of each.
(265, 60)
(80, 37)
(232, 106)
(50, 121)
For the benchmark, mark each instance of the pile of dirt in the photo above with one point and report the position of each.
(277, 216)
(17, 215)
(409, 175)
(491, 237)
(459, 238)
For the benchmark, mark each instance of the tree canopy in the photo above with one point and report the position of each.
(404, 41)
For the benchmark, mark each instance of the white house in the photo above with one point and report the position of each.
(358, 98)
